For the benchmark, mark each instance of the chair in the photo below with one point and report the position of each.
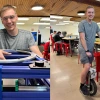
(52, 41)
(46, 51)
(48, 56)
(58, 47)
(66, 48)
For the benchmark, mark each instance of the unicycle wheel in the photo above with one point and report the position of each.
(93, 87)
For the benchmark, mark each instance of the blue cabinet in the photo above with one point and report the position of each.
(34, 35)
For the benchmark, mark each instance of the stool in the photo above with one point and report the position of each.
(66, 48)
(48, 56)
(45, 54)
(58, 46)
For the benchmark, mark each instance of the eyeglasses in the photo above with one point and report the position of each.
(8, 17)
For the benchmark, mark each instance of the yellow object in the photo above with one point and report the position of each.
(97, 40)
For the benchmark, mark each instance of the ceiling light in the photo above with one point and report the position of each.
(53, 20)
(98, 23)
(23, 18)
(14, 6)
(45, 19)
(41, 23)
(37, 7)
(56, 17)
(20, 23)
(81, 13)
(98, 0)
(60, 24)
(68, 21)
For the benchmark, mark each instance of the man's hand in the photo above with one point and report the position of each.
(88, 54)
(2, 53)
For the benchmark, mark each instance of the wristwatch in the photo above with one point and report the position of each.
(87, 51)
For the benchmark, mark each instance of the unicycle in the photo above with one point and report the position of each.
(19, 56)
(92, 87)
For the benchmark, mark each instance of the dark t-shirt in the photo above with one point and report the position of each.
(57, 38)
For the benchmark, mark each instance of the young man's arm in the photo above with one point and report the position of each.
(36, 50)
(81, 30)
(83, 42)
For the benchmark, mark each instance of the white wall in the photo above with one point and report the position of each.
(68, 28)
(28, 27)
(45, 33)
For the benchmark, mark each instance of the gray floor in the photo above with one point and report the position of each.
(65, 79)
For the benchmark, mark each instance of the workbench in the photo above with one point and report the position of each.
(22, 70)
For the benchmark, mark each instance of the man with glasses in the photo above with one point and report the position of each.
(87, 31)
(13, 38)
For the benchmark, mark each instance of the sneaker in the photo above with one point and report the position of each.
(84, 90)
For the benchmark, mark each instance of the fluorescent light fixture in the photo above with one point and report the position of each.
(53, 20)
(20, 23)
(56, 17)
(81, 13)
(37, 7)
(98, 0)
(23, 18)
(14, 6)
(98, 23)
(41, 23)
(45, 19)
(60, 24)
(68, 21)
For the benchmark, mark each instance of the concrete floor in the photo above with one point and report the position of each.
(65, 79)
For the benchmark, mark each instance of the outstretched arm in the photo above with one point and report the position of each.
(36, 50)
